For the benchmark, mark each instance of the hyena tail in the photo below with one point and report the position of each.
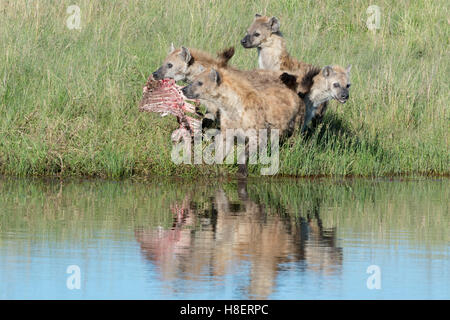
(224, 56)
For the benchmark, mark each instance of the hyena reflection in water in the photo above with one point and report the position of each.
(216, 241)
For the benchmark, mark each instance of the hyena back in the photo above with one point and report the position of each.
(186, 63)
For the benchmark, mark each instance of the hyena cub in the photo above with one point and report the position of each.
(321, 86)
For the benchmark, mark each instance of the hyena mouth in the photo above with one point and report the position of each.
(340, 100)
(188, 93)
(249, 46)
(156, 76)
(192, 96)
(246, 43)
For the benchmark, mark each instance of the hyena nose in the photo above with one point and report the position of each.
(184, 90)
(155, 75)
(344, 95)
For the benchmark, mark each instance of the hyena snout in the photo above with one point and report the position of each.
(246, 41)
(189, 92)
(158, 74)
(343, 96)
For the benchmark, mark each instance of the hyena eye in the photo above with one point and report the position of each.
(256, 34)
(200, 83)
(169, 65)
(336, 85)
(348, 86)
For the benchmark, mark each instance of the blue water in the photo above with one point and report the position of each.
(163, 243)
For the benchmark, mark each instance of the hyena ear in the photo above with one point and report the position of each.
(274, 24)
(172, 48)
(185, 54)
(349, 67)
(327, 71)
(289, 80)
(257, 15)
(214, 75)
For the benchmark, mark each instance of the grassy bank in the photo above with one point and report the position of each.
(68, 98)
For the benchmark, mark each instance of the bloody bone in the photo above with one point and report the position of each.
(165, 97)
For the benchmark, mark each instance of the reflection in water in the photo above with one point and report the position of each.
(282, 239)
(213, 241)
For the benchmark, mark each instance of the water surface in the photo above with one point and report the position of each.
(264, 239)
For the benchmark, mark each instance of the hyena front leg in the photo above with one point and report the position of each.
(242, 162)
(310, 112)
(235, 142)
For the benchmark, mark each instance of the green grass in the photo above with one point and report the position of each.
(68, 98)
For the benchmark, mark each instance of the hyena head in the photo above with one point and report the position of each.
(205, 85)
(175, 66)
(336, 82)
(260, 31)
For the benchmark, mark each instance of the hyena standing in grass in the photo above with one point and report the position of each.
(245, 106)
(322, 85)
(265, 35)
